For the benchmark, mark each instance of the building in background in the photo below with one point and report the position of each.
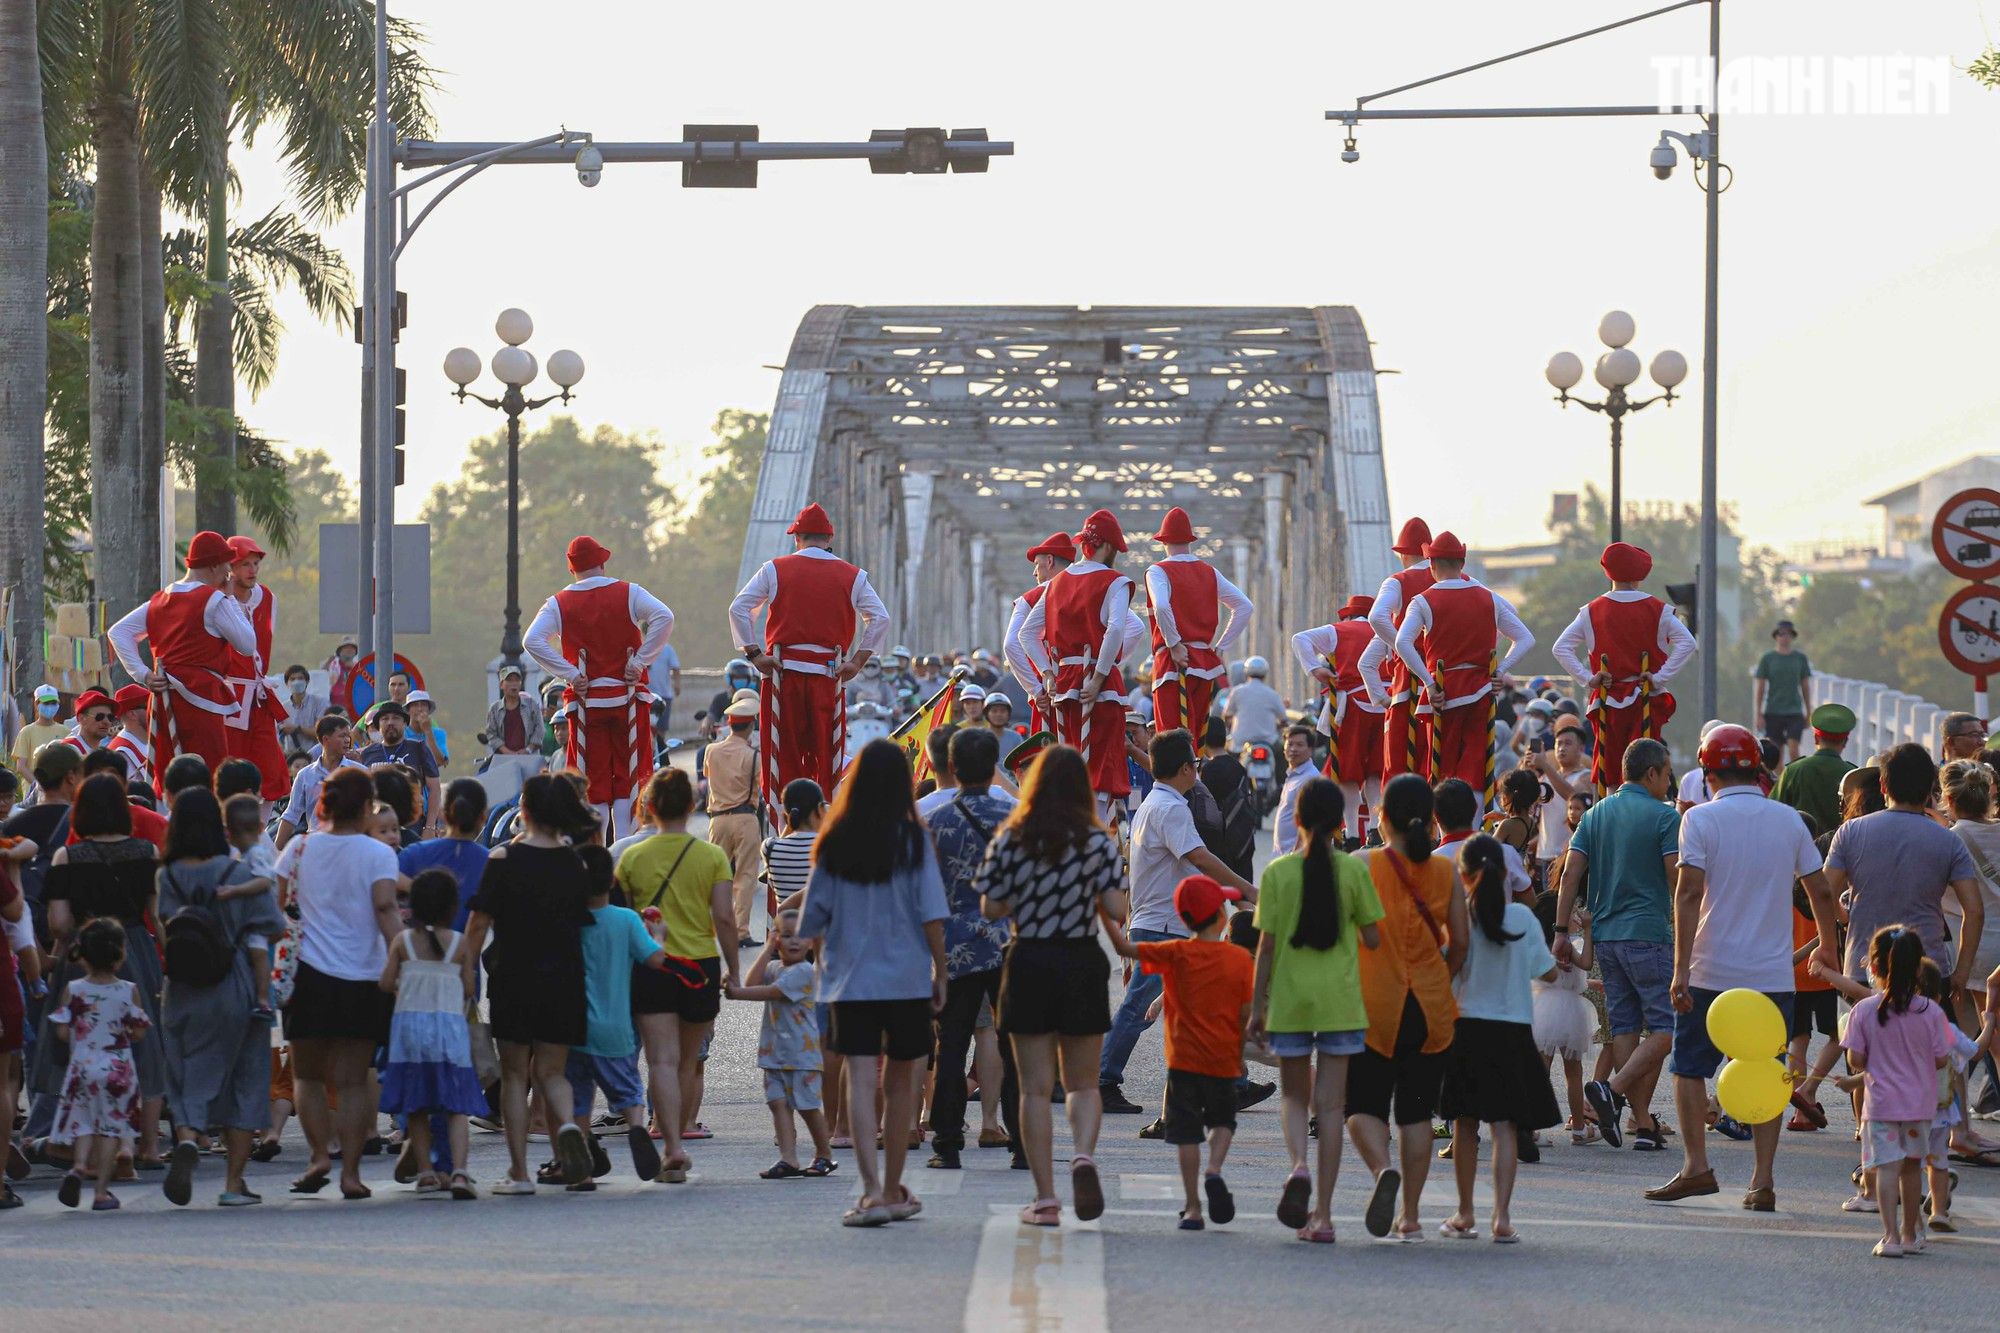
(1901, 543)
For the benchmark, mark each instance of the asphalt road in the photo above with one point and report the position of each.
(730, 1251)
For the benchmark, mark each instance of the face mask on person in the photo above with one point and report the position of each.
(298, 688)
(48, 710)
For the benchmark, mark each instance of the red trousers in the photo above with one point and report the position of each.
(259, 744)
(803, 731)
(612, 762)
(1105, 751)
(1169, 696)
(1359, 744)
(1461, 737)
(1612, 729)
(1397, 725)
(192, 730)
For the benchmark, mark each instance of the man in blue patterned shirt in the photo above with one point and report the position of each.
(974, 947)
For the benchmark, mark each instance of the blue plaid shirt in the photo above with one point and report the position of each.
(971, 942)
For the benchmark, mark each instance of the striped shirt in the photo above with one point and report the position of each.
(788, 862)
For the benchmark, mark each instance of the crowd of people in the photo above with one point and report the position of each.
(1457, 898)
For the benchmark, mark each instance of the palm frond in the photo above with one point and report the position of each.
(181, 69)
(281, 251)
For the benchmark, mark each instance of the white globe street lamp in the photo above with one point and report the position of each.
(1615, 370)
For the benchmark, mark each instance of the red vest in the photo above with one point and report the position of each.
(1412, 582)
(1034, 594)
(182, 646)
(1197, 609)
(241, 667)
(1459, 644)
(1075, 624)
(814, 605)
(139, 769)
(1350, 638)
(1619, 632)
(598, 635)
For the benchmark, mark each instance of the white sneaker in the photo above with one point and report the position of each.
(1884, 1250)
(1915, 1246)
(509, 1185)
(1860, 1203)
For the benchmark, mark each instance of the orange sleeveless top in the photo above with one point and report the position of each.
(1410, 958)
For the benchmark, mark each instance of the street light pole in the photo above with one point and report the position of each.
(1702, 149)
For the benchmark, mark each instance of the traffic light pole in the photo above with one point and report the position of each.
(708, 157)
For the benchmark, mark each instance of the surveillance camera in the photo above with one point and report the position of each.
(1664, 159)
(589, 166)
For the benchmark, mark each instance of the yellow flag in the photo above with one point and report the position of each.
(914, 735)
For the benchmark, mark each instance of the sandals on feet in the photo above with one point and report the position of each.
(866, 1213)
(780, 1170)
(1292, 1210)
(907, 1209)
(462, 1187)
(821, 1166)
(1086, 1188)
(312, 1182)
(675, 1170)
(1042, 1213)
(1452, 1231)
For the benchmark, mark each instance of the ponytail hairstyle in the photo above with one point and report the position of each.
(465, 806)
(1320, 809)
(1483, 865)
(1407, 804)
(1930, 977)
(551, 804)
(1894, 956)
(433, 902)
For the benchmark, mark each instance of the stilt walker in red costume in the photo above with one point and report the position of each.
(1050, 558)
(252, 731)
(1352, 719)
(190, 627)
(813, 603)
(1406, 739)
(599, 635)
(1188, 596)
(1449, 639)
(1624, 647)
(132, 703)
(1076, 636)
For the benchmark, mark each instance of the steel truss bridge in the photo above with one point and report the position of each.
(946, 440)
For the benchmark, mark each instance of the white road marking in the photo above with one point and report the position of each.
(1142, 1185)
(1037, 1279)
(1983, 1211)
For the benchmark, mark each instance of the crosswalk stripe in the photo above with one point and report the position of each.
(1037, 1279)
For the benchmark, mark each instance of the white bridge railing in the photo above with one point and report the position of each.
(1882, 717)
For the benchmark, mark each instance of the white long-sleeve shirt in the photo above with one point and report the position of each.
(1388, 601)
(763, 586)
(1418, 619)
(649, 613)
(1312, 647)
(1019, 664)
(1117, 610)
(222, 616)
(1160, 592)
(1573, 647)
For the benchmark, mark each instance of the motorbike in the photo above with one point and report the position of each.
(1260, 762)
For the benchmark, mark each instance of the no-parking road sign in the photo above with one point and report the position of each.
(1965, 535)
(1969, 630)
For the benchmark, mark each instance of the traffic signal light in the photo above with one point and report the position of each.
(719, 173)
(402, 427)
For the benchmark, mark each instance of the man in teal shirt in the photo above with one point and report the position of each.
(1629, 845)
(1784, 690)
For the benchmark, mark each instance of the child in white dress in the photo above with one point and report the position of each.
(100, 1015)
(1565, 1023)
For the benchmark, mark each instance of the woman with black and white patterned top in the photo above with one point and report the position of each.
(1055, 869)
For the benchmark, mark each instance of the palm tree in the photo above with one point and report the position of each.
(24, 359)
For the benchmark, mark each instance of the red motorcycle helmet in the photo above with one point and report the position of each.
(1730, 749)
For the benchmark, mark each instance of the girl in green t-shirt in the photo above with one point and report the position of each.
(1314, 909)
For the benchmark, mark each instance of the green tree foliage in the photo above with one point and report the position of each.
(1882, 629)
(708, 540)
(1551, 597)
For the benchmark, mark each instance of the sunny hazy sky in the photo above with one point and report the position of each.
(1175, 153)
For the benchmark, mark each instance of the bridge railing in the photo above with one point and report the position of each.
(1883, 717)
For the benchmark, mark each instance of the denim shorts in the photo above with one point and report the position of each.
(1291, 1045)
(1638, 981)
(1694, 1055)
(618, 1075)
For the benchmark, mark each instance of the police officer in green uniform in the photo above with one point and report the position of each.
(1812, 784)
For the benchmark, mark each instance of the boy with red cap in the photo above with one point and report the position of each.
(1625, 645)
(1075, 637)
(1049, 559)
(1187, 596)
(609, 631)
(130, 704)
(822, 623)
(1332, 655)
(96, 718)
(1209, 984)
(1406, 740)
(190, 626)
(1449, 636)
(252, 731)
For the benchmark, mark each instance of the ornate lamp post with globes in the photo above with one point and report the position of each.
(514, 366)
(1615, 369)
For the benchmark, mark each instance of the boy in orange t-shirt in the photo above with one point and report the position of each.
(1208, 991)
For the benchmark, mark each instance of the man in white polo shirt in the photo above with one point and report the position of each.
(1740, 853)
(1166, 848)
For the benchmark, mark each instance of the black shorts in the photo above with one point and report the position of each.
(1197, 1103)
(1810, 1007)
(325, 1008)
(899, 1029)
(1784, 727)
(1408, 1081)
(1056, 986)
(657, 992)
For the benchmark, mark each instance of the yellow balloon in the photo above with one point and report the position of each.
(1745, 1025)
(1754, 1090)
